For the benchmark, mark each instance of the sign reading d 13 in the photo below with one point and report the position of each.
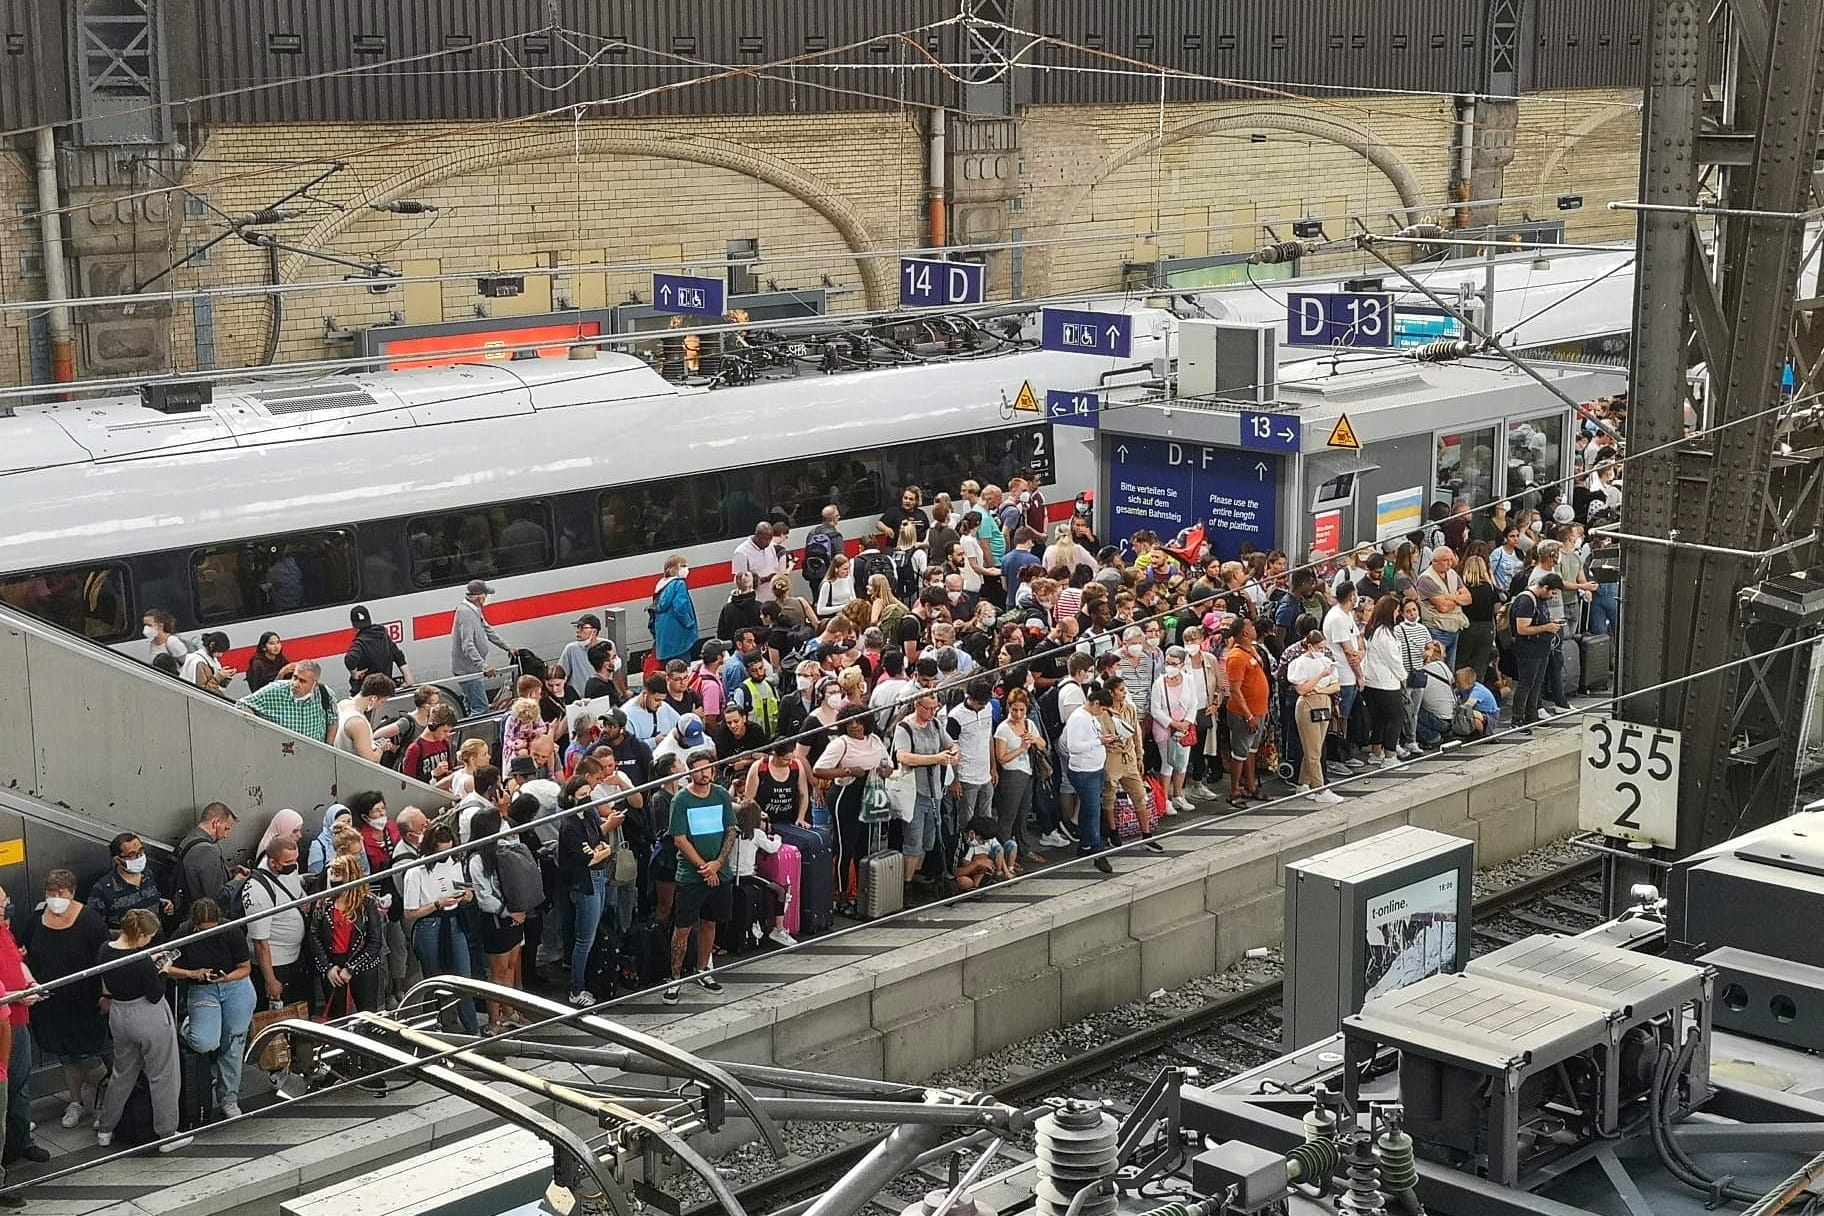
(1164, 487)
(1335, 318)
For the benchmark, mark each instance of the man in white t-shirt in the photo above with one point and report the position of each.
(1345, 639)
(971, 725)
(277, 942)
(1070, 700)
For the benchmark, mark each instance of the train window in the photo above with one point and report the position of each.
(279, 574)
(802, 488)
(480, 542)
(642, 518)
(738, 497)
(90, 601)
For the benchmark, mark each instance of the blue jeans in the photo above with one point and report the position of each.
(1448, 641)
(474, 695)
(443, 949)
(19, 1091)
(1089, 808)
(1431, 728)
(216, 1019)
(587, 907)
(1604, 605)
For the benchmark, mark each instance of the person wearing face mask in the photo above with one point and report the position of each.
(795, 710)
(128, 885)
(1174, 706)
(277, 941)
(674, 614)
(434, 895)
(63, 938)
(160, 632)
(143, 1031)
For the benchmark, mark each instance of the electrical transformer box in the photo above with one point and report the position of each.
(1370, 918)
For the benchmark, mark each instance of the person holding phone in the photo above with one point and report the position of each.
(584, 850)
(144, 1033)
(218, 999)
(433, 896)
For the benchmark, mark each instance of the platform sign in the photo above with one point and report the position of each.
(1073, 409)
(1166, 486)
(936, 283)
(1339, 318)
(1269, 432)
(1088, 333)
(1628, 786)
(689, 295)
(1398, 513)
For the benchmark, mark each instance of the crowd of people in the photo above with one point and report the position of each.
(971, 690)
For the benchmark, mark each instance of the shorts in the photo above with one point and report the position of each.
(1243, 742)
(500, 936)
(698, 901)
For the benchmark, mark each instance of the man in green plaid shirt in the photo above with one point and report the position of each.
(300, 703)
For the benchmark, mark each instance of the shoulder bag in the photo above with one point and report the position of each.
(900, 786)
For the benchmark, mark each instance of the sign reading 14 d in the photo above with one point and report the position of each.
(935, 283)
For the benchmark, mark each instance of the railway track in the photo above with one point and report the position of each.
(1219, 1039)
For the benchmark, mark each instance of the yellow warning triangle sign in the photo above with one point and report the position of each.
(1028, 401)
(1343, 436)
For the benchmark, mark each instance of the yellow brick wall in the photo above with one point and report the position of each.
(627, 191)
(17, 192)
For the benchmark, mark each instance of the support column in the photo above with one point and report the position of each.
(56, 275)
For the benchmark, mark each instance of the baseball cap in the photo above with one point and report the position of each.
(359, 617)
(588, 618)
(479, 587)
(690, 731)
(756, 659)
(612, 717)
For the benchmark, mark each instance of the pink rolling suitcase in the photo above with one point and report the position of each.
(785, 869)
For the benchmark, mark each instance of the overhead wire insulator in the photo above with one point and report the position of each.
(1443, 350)
(1283, 251)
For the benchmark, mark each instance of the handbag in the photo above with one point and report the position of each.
(1416, 678)
(876, 807)
(1127, 816)
(275, 1056)
(1463, 720)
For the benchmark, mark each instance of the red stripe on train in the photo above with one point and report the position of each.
(577, 601)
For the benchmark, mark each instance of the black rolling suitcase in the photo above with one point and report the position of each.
(1597, 654)
(736, 934)
(195, 1089)
(817, 906)
(135, 1126)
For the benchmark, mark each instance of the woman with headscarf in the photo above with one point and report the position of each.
(323, 848)
(287, 823)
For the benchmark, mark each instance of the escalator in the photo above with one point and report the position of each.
(94, 743)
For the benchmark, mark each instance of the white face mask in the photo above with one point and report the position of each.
(683, 571)
(804, 682)
(136, 865)
(151, 631)
(956, 597)
(1135, 649)
(57, 905)
(377, 822)
(1025, 497)
(833, 700)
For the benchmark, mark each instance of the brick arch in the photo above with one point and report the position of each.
(1579, 132)
(546, 144)
(1357, 139)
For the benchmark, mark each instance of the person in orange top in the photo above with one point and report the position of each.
(1248, 698)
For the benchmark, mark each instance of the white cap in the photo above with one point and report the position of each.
(1564, 514)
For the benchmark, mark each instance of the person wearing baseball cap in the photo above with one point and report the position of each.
(575, 657)
(470, 637)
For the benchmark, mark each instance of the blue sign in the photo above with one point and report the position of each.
(1339, 318)
(1423, 325)
(687, 294)
(1073, 409)
(1166, 487)
(934, 283)
(1269, 432)
(1088, 333)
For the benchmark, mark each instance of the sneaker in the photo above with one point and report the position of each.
(1355, 763)
(1154, 845)
(1326, 797)
(104, 1138)
(174, 1145)
(673, 994)
(781, 937)
(1390, 762)
(708, 982)
(1200, 791)
(231, 1110)
(1405, 752)
(1101, 863)
(36, 1153)
(1182, 803)
(581, 1000)
(1563, 709)
(1337, 772)
(1301, 788)
(1055, 840)
(1068, 830)
(72, 1114)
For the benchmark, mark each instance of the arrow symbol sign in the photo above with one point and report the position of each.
(1122, 453)
(1287, 436)
(1260, 470)
(665, 293)
(1114, 334)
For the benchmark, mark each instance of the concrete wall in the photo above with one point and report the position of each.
(110, 741)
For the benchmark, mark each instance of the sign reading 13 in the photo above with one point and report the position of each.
(1628, 786)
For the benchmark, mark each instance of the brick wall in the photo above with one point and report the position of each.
(811, 190)
(18, 192)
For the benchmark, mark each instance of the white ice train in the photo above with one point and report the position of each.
(563, 483)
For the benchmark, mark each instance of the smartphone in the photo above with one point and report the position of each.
(460, 886)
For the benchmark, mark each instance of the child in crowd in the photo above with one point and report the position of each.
(985, 857)
(754, 837)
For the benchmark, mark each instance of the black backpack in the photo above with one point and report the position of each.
(234, 905)
(522, 886)
(905, 574)
(819, 551)
(867, 565)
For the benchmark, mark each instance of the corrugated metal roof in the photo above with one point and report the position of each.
(33, 64)
(1421, 44)
(666, 47)
(1591, 44)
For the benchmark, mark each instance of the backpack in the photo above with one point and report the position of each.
(181, 896)
(867, 565)
(819, 551)
(234, 906)
(905, 574)
(522, 887)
